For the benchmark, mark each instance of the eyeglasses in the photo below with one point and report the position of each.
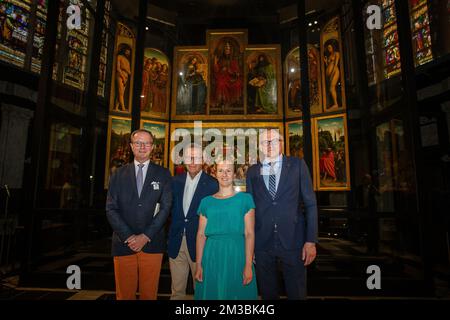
(271, 142)
(144, 144)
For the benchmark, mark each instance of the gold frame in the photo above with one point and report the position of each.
(176, 54)
(278, 70)
(132, 43)
(108, 145)
(219, 125)
(316, 156)
(287, 110)
(210, 33)
(336, 34)
(241, 36)
(286, 130)
(166, 139)
(159, 115)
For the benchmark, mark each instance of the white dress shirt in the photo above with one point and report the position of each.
(189, 190)
(144, 169)
(277, 164)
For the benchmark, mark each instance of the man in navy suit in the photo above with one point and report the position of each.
(285, 218)
(138, 204)
(188, 190)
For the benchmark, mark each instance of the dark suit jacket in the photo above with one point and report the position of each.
(207, 186)
(130, 214)
(294, 209)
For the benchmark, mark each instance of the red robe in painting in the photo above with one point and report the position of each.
(228, 81)
(326, 164)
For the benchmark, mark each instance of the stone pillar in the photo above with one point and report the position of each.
(13, 142)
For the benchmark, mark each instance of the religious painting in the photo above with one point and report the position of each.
(190, 85)
(238, 139)
(294, 139)
(333, 80)
(262, 66)
(123, 64)
(331, 160)
(293, 82)
(155, 83)
(226, 64)
(160, 141)
(118, 150)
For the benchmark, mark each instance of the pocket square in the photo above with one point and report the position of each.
(156, 209)
(155, 185)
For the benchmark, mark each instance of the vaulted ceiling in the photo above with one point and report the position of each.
(211, 9)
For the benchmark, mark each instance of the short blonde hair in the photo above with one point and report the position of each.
(230, 159)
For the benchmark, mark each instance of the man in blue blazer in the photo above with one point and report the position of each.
(138, 204)
(285, 218)
(188, 190)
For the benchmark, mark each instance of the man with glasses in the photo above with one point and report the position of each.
(138, 204)
(188, 190)
(285, 218)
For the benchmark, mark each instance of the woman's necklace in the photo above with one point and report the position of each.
(221, 195)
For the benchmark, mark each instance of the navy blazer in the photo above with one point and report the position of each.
(294, 209)
(130, 214)
(207, 186)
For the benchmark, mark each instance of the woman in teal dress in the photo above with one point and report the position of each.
(225, 243)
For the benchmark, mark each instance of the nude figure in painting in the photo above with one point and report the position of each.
(332, 60)
(123, 73)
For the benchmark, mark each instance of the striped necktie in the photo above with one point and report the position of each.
(272, 181)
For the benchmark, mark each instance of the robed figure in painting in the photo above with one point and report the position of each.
(191, 95)
(228, 78)
(263, 83)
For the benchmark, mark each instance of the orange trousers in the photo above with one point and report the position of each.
(137, 271)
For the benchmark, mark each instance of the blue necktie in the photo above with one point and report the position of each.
(140, 178)
(272, 181)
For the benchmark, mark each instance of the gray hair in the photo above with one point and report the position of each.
(141, 130)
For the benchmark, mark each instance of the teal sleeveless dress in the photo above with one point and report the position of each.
(223, 258)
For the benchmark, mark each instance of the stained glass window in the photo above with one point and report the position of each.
(14, 27)
(77, 44)
(420, 28)
(104, 51)
(72, 48)
(391, 49)
(39, 34)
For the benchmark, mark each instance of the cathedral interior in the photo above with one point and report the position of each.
(376, 134)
